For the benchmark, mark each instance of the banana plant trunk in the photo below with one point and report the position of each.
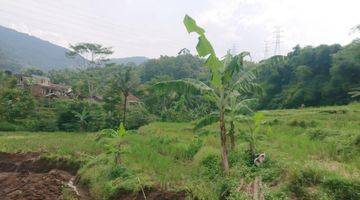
(232, 135)
(224, 157)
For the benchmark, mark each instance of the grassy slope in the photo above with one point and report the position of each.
(322, 142)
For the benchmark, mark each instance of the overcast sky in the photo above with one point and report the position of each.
(154, 27)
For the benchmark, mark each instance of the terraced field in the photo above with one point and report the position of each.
(311, 153)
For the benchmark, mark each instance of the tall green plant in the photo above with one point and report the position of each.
(355, 92)
(238, 106)
(125, 81)
(92, 55)
(227, 77)
(83, 118)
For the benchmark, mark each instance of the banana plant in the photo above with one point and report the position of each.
(83, 117)
(112, 133)
(238, 108)
(255, 126)
(227, 76)
(113, 149)
(355, 92)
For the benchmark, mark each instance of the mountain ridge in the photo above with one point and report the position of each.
(20, 50)
(133, 59)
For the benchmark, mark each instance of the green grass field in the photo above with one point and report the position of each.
(312, 153)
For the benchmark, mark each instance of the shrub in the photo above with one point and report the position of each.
(301, 181)
(343, 189)
(204, 132)
(317, 134)
(302, 123)
(138, 116)
(356, 141)
(211, 166)
(208, 160)
(180, 150)
(7, 126)
(119, 171)
(334, 111)
(272, 122)
(193, 148)
(16, 104)
(49, 125)
(240, 157)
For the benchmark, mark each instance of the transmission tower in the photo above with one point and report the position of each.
(277, 42)
(234, 49)
(266, 49)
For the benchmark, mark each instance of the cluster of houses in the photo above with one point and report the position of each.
(41, 86)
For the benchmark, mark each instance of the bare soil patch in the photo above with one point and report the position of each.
(25, 176)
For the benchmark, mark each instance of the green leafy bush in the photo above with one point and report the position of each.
(303, 179)
(193, 148)
(302, 123)
(211, 166)
(119, 171)
(7, 126)
(138, 116)
(343, 189)
(317, 134)
(48, 125)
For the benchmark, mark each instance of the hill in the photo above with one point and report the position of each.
(135, 59)
(18, 50)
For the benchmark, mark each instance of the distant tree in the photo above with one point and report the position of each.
(32, 71)
(2, 78)
(94, 55)
(181, 66)
(301, 77)
(16, 103)
(345, 73)
(112, 102)
(356, 29)
(184, 51)
(125, 81)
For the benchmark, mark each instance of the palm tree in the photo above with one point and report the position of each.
(126, 81)
(227, 76)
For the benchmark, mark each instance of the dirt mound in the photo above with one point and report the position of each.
(28, 177)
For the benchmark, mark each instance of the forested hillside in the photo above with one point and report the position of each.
(310, 76)
(18, 50)
(306, 76)
(135, 59)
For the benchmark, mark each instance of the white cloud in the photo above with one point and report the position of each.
(307, 22)
(153, 27)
